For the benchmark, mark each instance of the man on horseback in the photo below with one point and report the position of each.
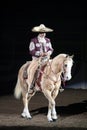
(40, 47)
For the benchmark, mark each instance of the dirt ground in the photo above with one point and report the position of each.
(71, 106)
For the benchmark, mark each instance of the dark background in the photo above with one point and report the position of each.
(68, 19)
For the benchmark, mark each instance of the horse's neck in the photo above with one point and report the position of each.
(57, 64)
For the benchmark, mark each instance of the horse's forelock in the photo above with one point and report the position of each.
(70, 58)
(67, 55)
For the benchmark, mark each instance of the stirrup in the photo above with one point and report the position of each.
(61, 89)
(31, 91)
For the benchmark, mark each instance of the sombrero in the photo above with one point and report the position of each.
(41, 28)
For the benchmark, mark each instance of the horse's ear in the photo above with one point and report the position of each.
(67, 55)
(72, 56)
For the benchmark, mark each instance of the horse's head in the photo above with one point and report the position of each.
(67, 66)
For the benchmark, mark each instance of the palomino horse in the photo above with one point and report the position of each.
(49, 82)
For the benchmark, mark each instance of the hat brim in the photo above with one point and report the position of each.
(43, 30)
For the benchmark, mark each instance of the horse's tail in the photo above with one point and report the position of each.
(17, 90)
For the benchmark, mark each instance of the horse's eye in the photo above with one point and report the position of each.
(65, 65)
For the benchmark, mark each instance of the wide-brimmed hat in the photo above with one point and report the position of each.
(41, 28)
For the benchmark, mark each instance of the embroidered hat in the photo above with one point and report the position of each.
(42, 28)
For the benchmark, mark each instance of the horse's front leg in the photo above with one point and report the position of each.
(54, 95)
(54, 113)
(51, 105)
(26, 113)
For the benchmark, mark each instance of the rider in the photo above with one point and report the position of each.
(40, 46)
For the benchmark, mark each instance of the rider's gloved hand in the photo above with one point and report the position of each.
(44, 54)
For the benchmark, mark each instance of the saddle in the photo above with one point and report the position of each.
(38, 73)
(38, 79)
(25, 74)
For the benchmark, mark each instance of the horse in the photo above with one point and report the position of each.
(51, 75)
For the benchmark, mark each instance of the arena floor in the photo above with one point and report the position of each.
(71, 106)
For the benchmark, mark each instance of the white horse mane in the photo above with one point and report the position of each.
(61, 55)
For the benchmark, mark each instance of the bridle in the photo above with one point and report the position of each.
(64, 71)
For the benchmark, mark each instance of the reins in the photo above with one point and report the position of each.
(48, 75)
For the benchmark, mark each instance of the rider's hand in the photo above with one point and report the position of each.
(44, 54)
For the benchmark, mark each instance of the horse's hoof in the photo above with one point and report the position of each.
(23, 115)
(29, 118)
(54, 120)
(50, 121)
